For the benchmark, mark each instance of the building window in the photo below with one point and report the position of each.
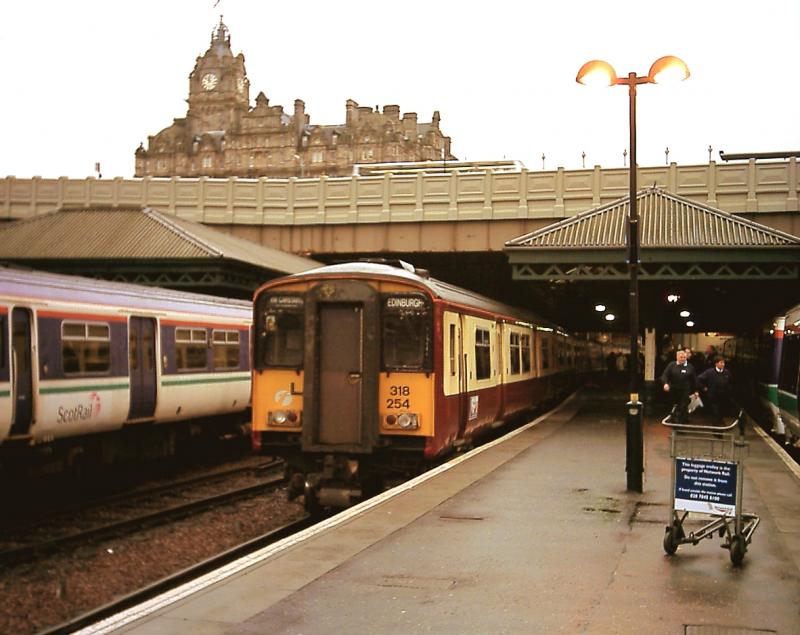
(208, 162)
(190, 348)
(85, 348)
(226, 349)
(162, 164)
(317, 156)
(367, 154)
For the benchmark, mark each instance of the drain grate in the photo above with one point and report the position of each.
(407, 582)
(714, 629)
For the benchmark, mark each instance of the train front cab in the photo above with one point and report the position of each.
(343, 382)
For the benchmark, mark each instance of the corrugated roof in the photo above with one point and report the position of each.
(133, 234)
(665, 220)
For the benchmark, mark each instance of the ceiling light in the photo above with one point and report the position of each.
(685, 313)
(599, 307)
(610, 317)
(689, 323)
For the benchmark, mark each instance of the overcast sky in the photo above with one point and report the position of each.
(88, 80)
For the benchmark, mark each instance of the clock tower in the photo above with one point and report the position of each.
(218, 87)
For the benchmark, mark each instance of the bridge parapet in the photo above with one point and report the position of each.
(749, 187)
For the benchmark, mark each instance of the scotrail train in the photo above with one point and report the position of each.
(98, 371)
(772, 358)
(364, 372)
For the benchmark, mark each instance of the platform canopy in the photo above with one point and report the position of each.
(722, 262)
(144, 246)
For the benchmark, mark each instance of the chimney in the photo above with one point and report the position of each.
(392, 111)
(410, 123)
(299, 114)
(352, 113)
(436, 119)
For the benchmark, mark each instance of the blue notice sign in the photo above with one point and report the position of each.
(705, 486)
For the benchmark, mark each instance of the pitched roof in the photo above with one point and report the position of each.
(133, 233)
(666, 221)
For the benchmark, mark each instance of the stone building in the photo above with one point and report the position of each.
(222, 135)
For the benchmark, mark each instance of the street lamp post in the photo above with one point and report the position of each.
(600, 73)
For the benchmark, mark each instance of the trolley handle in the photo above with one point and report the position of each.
(739, 421)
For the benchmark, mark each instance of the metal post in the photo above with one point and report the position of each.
(633, 426)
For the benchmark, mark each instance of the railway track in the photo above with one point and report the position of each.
(170, 582)
(123, 514)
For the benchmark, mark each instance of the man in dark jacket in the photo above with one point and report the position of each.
(715, 385)
(679, 380)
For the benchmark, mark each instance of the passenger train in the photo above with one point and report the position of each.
(367, 371)
(772, 358)
(82, 361)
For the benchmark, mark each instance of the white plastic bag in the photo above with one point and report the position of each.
(694, 403)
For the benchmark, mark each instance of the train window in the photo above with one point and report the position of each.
(516, 353)
(525, 351)
(226, 349)
(545, 353)
(406, 333)
(283, 339)
(85, 348)
(190, 348)
(281, 331)
(452, 350)
(133, 349)
(483, 358)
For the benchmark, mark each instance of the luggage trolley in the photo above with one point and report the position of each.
(707, 478)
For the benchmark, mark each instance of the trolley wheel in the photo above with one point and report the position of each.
(738, 549)
(671, 539)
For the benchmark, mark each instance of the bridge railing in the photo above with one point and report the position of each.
(747, 187)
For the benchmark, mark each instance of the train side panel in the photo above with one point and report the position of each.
(204, 369)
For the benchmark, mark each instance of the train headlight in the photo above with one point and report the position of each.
(408, 421)
(283, 418)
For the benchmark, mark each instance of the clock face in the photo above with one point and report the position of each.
(209, 81)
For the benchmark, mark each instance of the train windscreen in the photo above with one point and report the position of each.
(406, 333)
(281, 332)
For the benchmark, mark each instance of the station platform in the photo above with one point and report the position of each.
(533, 533)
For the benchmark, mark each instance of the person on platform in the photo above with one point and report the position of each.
(680, 382)
(715, 386)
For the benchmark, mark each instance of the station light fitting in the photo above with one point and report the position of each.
(689, 323)
(685, 313)
(599, 307)
(610, 317)
(673, 298)
(664, 70)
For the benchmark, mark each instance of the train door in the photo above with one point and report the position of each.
(463, 369)
(21, 372)
(142, 367)
(342, 357)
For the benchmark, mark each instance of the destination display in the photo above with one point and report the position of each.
(705, 486)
